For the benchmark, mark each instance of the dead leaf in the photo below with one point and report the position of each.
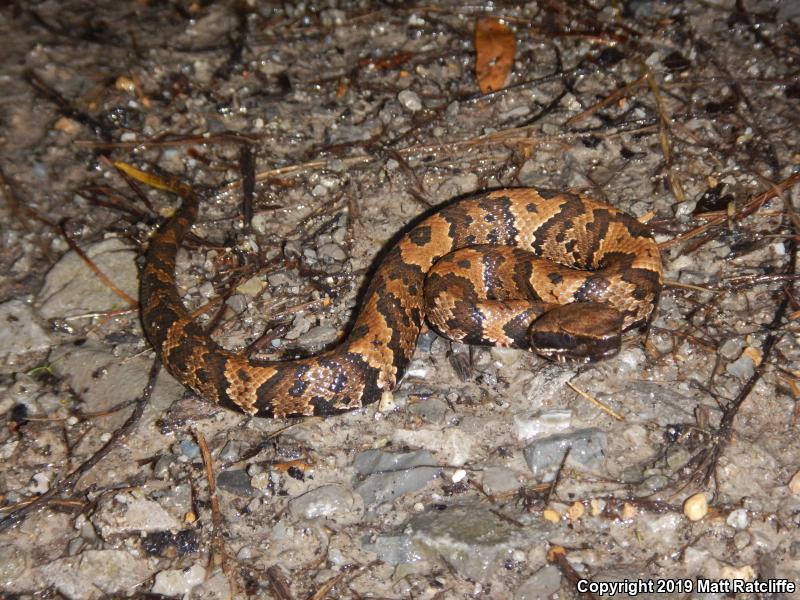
(495, 46)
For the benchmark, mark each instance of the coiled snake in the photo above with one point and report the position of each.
(557, 273)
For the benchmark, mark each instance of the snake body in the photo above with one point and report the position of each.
(442, 270)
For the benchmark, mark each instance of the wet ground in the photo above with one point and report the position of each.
(683, 453)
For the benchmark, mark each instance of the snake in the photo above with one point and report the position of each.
(553, 272)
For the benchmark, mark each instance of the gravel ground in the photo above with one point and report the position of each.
(682, 456)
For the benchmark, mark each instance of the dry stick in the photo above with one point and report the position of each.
(612, 97)
(557, 478)
(606, 409)
(748, 209)
(247, 166)
(100, 275)
(218, 554)
(663, 134)
(70, 480)
(278, 583)
(557, 555)
(725, 430)
(191, 140)
(325, 588)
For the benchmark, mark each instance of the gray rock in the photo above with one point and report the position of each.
(96, 573)
(732, 348)
(292, 249)
(277, 279)
(189, 449)
(531, 425)
(431, 410)
(543, 584)
(130, 512)
(71, 288)
(12, 562)
(231, 451)
(332, 502)
(393, 549)
(20, 334)
(162, 466)
(497, 480)
(237, 303)
(471, 539)
(389, 476)
(738, 519)
(743, 367)
(101, 379)
(236, 482)
(586, 449)
(332, 252)
(318, 336)
(410, 100)
(300, 325)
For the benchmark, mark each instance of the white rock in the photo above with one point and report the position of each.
(129, 512)
(177, 582)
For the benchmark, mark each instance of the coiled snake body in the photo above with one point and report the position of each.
(561, 274)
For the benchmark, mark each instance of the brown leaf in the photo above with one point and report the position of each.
(495, 47)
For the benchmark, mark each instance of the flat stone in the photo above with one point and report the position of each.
(530, 425)
(586, 449)
(129, 512)
(390, 475)
(431, 410)
(102, 379)
(332, 252)
(543, 584)
(497, 480)
(177, 582)
(393, 549)
(236, 482)
(452, 445)
(20, 333)
(318, 336)
(71, 288)
(96, 573)
(471, 539)
(334, 502)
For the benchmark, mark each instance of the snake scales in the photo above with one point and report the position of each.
(561, 274)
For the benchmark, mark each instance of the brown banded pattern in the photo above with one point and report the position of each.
(622, 269)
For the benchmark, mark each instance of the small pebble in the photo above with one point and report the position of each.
(628, 511)
(409, 100)
(794, 484)
(738, 519)
(575, 511)
(189, 449)
(459, 475)
(551, 515)
(596, 506)
(696, 507)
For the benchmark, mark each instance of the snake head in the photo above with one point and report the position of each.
(579, 332)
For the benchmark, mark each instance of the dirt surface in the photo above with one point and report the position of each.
(493, 474)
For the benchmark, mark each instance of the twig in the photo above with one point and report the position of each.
(277, 580)
(93, 267)
(748, 209)
(557, 555)
(218, 554)
(70, 480)
(597, 403)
